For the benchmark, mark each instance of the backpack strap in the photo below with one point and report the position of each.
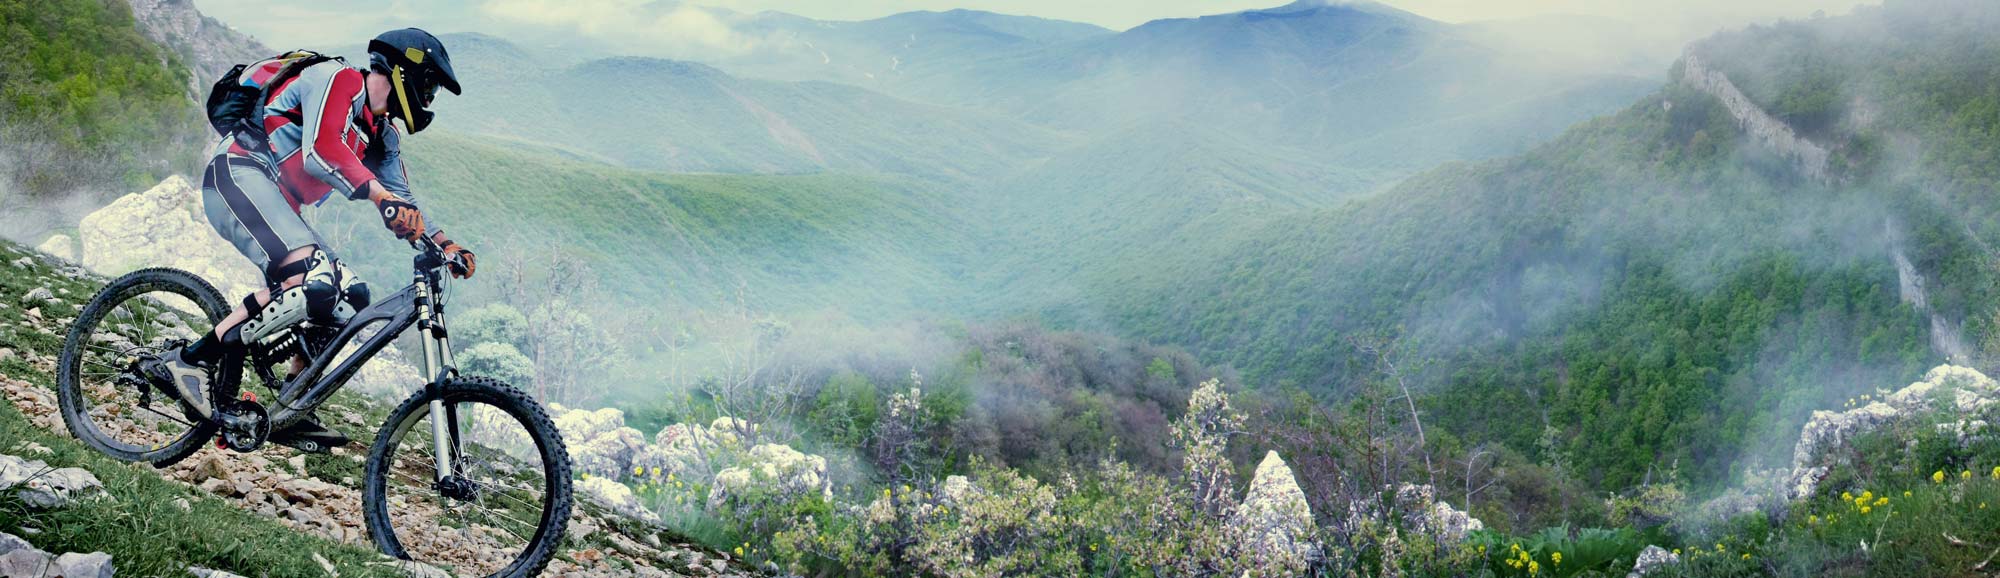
(302, 60)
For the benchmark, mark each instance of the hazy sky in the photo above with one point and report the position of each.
(316, 22)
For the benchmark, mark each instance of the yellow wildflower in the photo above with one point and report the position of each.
(1746, 556)
(1867, 495)
(1864, 510)
(1813, 519)
(1093, 546)
(638, 470)
(1937, 477)
(1996, 472)
(1557, 558)
(656, 471)
(1677, 551)
(1965, 475)
(1846, 497)
(1882, 501)
(1906, 493)
(739, 551)
(1718, 546)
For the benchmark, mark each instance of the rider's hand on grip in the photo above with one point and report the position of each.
(460, 259)
(402, 218)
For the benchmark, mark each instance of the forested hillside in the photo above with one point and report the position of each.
(87, 111)
(1656, 286)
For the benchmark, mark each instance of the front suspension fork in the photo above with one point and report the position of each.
(444, 417)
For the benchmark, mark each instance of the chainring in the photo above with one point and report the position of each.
(245, 425)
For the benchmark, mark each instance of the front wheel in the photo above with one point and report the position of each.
(500, 506)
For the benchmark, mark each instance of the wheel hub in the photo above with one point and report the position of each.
(457, 488)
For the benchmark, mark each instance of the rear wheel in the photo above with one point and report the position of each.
(106, 403)
(505, 504)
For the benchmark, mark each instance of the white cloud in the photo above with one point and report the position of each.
(641, 24)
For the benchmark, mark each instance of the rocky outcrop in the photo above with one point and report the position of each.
(1810, 159)
(617, 498)
(61, 247)
(774, 468)
(1652, 559)
(163, 227)
(1415, 509)
(1947, 336)
(1274, 520)
(1960, 391)
(208, 46)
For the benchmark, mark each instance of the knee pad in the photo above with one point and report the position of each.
(330, 288)
(286, 309)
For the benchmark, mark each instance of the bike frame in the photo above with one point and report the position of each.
(418, 305)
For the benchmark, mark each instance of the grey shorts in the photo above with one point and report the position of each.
(243, 203)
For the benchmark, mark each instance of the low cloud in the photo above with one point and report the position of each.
(641, 25)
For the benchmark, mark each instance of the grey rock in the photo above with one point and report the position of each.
(92, 565)
(59, 246)
(27, 563)
(24, 262)
(60, 488)
(37, 295)
(10, 542)
(1651, 559)
(200, 572)
(16, 471)
(617, 498)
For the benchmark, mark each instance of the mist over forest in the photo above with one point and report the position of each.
(1583, 280)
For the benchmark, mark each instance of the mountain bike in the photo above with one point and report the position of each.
(489, 474)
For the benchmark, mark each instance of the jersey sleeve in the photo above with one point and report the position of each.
(395, 176)
(328, 118)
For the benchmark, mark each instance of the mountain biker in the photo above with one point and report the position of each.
(327, 130)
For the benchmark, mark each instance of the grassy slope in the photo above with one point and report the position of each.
(875, 245)
(145, 533)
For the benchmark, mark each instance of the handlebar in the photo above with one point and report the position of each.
(432, 256)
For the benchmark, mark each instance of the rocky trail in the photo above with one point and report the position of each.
(316, 495)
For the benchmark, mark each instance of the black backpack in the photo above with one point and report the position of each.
(236, 102)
